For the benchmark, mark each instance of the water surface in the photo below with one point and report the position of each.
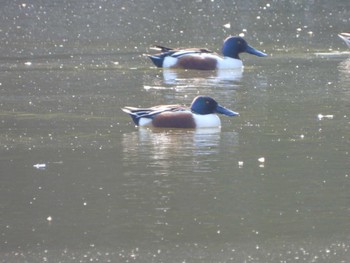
(270, 186)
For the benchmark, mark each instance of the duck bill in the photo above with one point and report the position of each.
(255, 52)
(222, 110)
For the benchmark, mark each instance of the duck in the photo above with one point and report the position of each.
(345, 37)
(201, 114)
(205, 59)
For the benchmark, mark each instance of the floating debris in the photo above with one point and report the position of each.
(49, 218)
(40, 165)
(328, 116)
(240, 164)
(228, 25)
(262, 162)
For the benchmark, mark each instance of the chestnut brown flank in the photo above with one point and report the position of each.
(196, 62)
(174, 120)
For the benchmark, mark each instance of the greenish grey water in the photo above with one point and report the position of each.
(111, 192)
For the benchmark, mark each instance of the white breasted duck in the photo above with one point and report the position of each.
(201, 114)
(204, 59)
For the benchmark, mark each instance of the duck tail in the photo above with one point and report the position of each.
(133, 116)
(157, 60)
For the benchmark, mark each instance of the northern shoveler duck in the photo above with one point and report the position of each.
(201, 114)
(345, 37)
(204, 59)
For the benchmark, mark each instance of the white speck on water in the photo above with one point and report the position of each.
(49, 218)
(39, 166)
(328, 116)
(302, 136)
(28, 63)
(228, 25)
(240, 164)
(261, 159)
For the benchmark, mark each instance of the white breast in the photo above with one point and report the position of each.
(206, 121)
(229, 63)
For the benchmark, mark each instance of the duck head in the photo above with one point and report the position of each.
(207, 105)
(235, 45)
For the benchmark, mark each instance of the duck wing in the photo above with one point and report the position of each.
(137, 113)
(167, 49)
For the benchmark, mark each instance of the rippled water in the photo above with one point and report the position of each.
(80, 183)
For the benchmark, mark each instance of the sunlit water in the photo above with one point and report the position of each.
(80, 183)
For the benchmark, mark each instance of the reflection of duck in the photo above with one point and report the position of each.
(161, 147)
(344, 70)
(345, 37)
(172, 76)
(201, 114)
(204, 59)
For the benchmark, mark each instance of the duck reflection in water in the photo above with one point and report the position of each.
(203, 78)
(160, 147)
(344, 75)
